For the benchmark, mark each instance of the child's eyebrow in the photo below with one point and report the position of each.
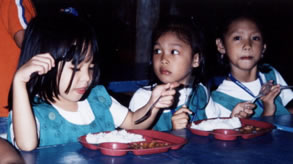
(176, 44)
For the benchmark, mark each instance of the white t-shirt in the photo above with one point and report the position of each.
(84, 114)
(228, 87)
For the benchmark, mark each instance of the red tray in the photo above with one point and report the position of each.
(167, 141)
(232, 134)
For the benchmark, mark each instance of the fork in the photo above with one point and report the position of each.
(286, 86)
(148, 113)
(266, 90)
(263, 91)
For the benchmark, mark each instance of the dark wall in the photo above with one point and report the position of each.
(275, 15)
(115, 21)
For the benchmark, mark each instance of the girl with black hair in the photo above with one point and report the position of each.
(178, 56)
(242, 46)
(55, 98)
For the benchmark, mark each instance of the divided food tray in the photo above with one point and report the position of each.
(257, 128)
(156, 142)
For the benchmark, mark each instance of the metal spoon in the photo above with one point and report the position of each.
(265, 89)
(148, 113)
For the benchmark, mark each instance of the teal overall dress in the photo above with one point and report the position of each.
(54, 129)
(196, 103)
(230, 102)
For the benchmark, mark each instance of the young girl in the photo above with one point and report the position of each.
(177, 57)
(242, 44)
(55, 96)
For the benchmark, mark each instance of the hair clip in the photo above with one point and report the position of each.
(70, 10)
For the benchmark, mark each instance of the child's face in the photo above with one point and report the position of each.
(173, 59)
(243, 44)
(80, 83)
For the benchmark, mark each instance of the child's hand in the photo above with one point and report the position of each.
(41, 64)
(165, 93)
(243, 110)
(268, 100)
(180, 118)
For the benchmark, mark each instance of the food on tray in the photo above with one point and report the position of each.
(249, 129)
(218, 123)
(121, 136)
(148, 145)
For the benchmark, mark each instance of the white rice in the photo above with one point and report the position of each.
(209, 125)
(121, 136)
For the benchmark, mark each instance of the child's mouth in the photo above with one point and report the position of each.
(164, 72)
(246, 58)
(81, 90)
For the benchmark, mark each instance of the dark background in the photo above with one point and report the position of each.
(115, 21)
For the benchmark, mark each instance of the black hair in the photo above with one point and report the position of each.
(187, 30)
(67, 38)
(222, 30)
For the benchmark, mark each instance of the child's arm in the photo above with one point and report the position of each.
(24, 123)
(268, 101)
(167, 91)
(180, 118)
(243, 110)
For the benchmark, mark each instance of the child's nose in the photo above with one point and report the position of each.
(85, 76)
(247, 44)
(164, 59)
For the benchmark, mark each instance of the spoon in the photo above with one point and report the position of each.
(148, 113)
(265, 89)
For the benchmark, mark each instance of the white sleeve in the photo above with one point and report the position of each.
(139, 99)
(214, 110)
(286, 94)
(118, 111)
(12, 132)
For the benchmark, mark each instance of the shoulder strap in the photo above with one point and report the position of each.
(225, 100)
(271, 74)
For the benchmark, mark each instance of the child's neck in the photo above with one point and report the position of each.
(67, 106)
(245, 76)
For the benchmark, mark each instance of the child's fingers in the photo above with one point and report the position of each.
(46, 61)
(248, 105)
(243, 110)
(40, 64)
(182, 115)
(183, 110)
(180, 120)
(41, 67)
(46, 57)
(275, 90)
(165, 102)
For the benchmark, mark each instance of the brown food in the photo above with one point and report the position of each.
(249, 129)
(148, 145)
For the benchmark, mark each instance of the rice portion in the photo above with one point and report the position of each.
(121, 136)
(209, 125)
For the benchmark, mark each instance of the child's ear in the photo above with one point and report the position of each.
(220, 46)
(264, 49)
(195, 60)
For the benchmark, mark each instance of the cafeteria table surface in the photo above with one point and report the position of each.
(275, 147)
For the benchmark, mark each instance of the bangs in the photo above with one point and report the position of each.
(67, 38)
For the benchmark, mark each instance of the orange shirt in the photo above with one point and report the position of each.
(14, 15)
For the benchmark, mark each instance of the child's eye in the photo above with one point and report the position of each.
(157, 51)
(174, 52)
(236, 38)
(257, 38)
